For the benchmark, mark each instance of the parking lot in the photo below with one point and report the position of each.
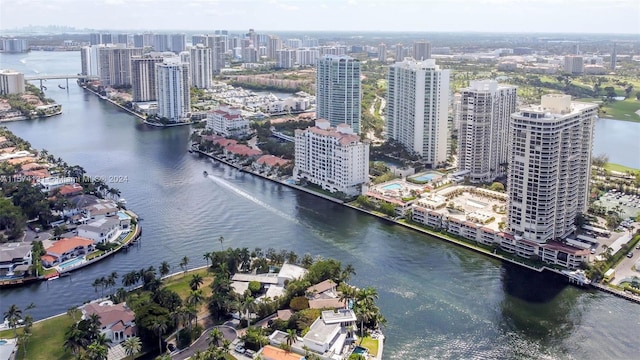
(629, 205)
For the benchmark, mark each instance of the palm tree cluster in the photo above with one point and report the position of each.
(13, 316)
(105, 282)
(363, 302)
(84, 339)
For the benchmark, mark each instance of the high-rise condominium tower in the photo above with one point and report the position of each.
(483, 135)
(338, 90)
(143, 77)
(549, 167)
(200, 63)
(417, 108)
(172, 89)
(421, 50)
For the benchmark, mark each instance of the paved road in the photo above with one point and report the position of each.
(202, 343)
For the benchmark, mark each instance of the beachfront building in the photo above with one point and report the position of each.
(483, 134)
(66, 249)
(101, 230)
(417, 109)
(338, 91)
(172, 90)
(228, 122)
(329, 334)
(549, 167)
(332, 158)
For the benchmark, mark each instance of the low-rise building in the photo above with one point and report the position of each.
(330, 332)
(228, 122)
(52, 183)
(66, 249)
(101, 230)
(269, 162)
(117, 322)
(13, 256)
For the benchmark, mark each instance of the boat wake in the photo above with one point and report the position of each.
(252, 198)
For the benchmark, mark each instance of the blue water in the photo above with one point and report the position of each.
(3, 342)
(392, 187)
(70, 263)
(359, 350)
(122, 216)
(425, 177)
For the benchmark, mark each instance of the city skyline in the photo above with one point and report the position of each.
(515, 16)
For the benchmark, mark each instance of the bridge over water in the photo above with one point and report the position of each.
(57, 77)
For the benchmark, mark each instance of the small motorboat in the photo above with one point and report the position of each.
(205, 173)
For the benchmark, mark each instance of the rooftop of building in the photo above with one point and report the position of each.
(64, 245)
(554, 107)
(10, 251)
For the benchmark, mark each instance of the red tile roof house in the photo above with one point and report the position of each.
(241, 151)
(66, 249)
(70, 190)
(116, 321)
(268, 162)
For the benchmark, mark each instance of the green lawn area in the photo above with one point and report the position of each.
(622, 110)
(180, 283)
(94, 254)
(46, 341)
(370, 344)
(619, 168)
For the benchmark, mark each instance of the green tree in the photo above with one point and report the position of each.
(184, 264)
(13, 316)
(132, 346)
(96, 351)
(165, 268)
(196, 281)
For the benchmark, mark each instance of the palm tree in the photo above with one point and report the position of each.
(96, 351)
(73, 312)
(130, 278)
(13, 317)
(226, 347)
(159, 325)
(347, 293)
(195, 282)
(132, 346)
(73, 339)
(165, 268)
(23, 340)
(215, 336)
(183, 264)
(347, 272)
(221, 240)
(291, 337)
(96, 284)
(207, 257)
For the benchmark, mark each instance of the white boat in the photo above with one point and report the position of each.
(122, 201)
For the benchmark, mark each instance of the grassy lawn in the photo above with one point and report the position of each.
(370, 344)
(94, 254)
(619, 168)
(46, 341)
(620, 110)
(180, 283)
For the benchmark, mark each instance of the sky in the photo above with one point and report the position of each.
(526, 16)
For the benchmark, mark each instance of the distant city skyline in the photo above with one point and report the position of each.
(519, 16)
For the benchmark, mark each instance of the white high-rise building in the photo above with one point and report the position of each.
(333, 158)
(172, 89)
(90, 60)
(200, 61)
(178, 43)
(483, 134)
(400, 52)
(285, 59)
(115, 65)
(228, 122)
(338, 90)
(417, 108)
(573, 64)
(11, 82)
(143, 77)
(273, 45)
(307, 56)
(549, 167)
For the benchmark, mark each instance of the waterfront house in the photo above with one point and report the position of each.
(272, 282)
(52, 183)
(14, 256)
(269, 162)
(271, 352)
(65, 249)
(101, 230)
(117, 322)
(329, 334)
(241, 151)
(101, 209)
(70, 190)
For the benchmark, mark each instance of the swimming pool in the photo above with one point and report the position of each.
(359, 350)
(122, 215)
(70, 263)
(3, 342)
(392, 187)
(425, 177)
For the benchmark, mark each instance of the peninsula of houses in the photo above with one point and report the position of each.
(55, 217)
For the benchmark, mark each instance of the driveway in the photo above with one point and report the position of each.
(202, 343)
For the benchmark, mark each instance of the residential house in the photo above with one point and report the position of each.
(70, 190)
(241, 151)
(329, 334)
(117, 322)
(101, 209)
(101, 230)
(324, 295)
(269, 162)
(66, 249)
(52, 183)
(14, 256)
(270, 352)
